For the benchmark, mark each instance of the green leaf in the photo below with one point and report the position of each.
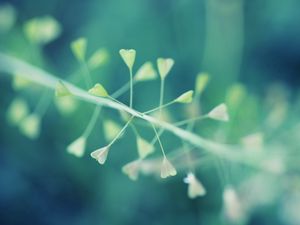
(78, 48)
(17, 111)
(128, 56)
(201, 82)
(99, 58)
(98, 90)
(144, 147)
(61, 90)
(186, 97)
(77, 147)
(146, 72)
(164, 66)
(42, 30)
(30, 126)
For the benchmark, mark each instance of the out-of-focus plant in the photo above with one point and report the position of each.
(243, 148)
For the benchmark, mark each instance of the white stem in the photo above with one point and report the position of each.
(13, 65)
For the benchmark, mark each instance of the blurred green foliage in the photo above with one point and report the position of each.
(251, 51)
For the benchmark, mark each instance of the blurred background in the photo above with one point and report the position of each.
(251, 51)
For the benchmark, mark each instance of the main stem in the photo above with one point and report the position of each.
(161, 94)
(131, 87)
(13, 65)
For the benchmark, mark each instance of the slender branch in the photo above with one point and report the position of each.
(161, 95)
(13, 65)
(92, 121)
(131, 88)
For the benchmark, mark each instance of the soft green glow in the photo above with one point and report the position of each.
(131, 169)
(66, 105)
(17, 111)
(98, 90)
(186, 97)
(111, 129)
(8, 17)
(78, 48)
(98, 58)
(42, 30)
(195, 187)
(202, 80)
(61, 90)
(167, 169)
(219, 113)
(20, 83)
(164, 66)
(144, 147)
(146, 72)
(235, 95)
(30, 126)
(77, 147)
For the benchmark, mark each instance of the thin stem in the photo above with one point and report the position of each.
(160, 132)
(131, 88)
(86, 74)
(43, 103)
(134, 130)
(187, 121)
(123, 89)
(121, 131)
(115, 100)
(160, 107)
(12, 65)
(160, 144)
(92, 122)
(161, 95)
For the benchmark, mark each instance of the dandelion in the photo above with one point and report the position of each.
(77, 147)
(219, 113)
(195, 187)
(101, 154)
(167, 169)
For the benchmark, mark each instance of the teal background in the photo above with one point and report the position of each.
(255, 43)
